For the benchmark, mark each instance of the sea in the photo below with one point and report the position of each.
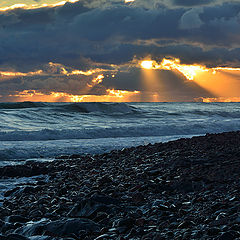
(42, 131)
(32, 131)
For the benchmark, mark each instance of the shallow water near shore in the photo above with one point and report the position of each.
(43, 131)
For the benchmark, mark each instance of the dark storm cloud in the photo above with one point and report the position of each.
(190, 3)
(66, 34)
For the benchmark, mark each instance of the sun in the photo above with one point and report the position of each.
(147, 64)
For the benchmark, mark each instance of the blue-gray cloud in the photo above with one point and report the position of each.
(67, 33)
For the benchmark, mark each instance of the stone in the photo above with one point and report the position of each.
(15, 236)
(89, 208)
(61, 228)
(17, 219)
(227, 236)
(213, 231)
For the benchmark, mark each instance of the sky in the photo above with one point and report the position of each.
(120, 50)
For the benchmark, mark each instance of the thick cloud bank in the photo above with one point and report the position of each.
(114, 32)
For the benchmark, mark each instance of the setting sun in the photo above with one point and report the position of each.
(147, 64)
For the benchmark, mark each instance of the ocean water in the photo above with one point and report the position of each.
(42, 131)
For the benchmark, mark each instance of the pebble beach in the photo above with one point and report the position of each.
(183, 189)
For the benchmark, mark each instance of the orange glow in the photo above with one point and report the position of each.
(120, 93)
(19, 74)
(9, 75)
(61, 70)
(35, 6)
(111, 96)
(96, 80)
(66, 72)
(189, 71)
(79, 72)
(219, 99)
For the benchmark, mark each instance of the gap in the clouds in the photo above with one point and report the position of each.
(165, 80)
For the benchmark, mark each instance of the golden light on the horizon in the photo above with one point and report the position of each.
(219, 99)
(111, 95)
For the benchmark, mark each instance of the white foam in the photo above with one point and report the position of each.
(46, 150)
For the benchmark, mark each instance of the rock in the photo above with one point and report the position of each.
(91, 206)
(10, 192)
(61, 228)
(124, 224)
(105, 200)
(17, 219)
(185, 224)
(227, 236)
(104, 180)
(15, 236)
(137, 197)
(2, 223)
(153, 172)
(213, 231)
(104, 237)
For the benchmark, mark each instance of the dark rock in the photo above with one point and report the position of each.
(124, 224)
(105, 199)
(17, 218)
(10, 192)
(15, 236)
(90, 207)
(213, 231)
(227, 236)
(61, 228)
(185, 224)
(104, 180)
(154, 172)
(185, 187)
(2, 223)
(22, 171)
(137, 197)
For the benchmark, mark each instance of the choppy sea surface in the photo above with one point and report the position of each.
(42, 131)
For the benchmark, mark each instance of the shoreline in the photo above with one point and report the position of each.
(182, 189)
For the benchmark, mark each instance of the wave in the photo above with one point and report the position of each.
(88, 107)
(209, 113)
(192, 128)
(108, 108)
(18, 105)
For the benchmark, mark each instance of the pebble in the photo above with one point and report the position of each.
(184, 189)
